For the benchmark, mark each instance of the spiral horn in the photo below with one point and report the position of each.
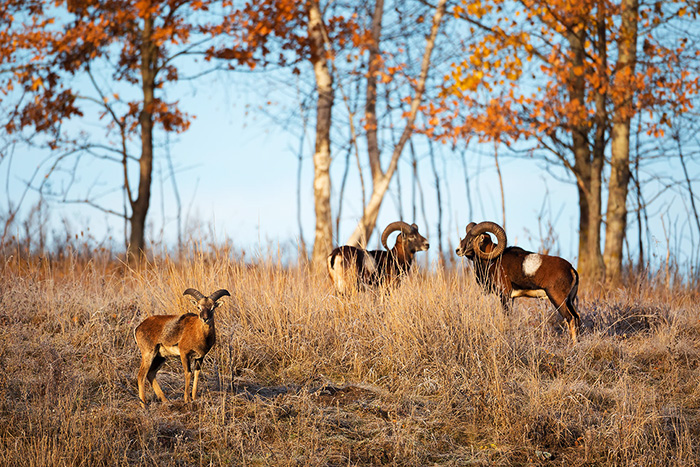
(394, 226)
(490, 227)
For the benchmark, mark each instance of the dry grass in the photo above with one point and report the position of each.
(433, 373)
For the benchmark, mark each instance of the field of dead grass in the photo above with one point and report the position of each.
(432, 374)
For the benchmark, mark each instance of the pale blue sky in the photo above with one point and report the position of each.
(236, 173)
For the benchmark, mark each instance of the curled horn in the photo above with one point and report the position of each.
(398, 225)
(195, 293)
(218, 294)
(493, 228)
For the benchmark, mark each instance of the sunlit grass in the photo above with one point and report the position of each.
(433, 372)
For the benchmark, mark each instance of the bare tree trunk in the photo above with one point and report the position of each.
(441, 252)
(371, 94)
(352, 147)
(582, 163)
(462, 154)
(415, 182)
(373, 152)
(139, 206)
(640, 207)
(595, 272)
(381, 179)
(176, 193)
(418, 190)
(588, 166)
(677, 138)
(596, 269)
(303, 254)
(323, 241)
(616, 224)
(341, 193)
(500, 184)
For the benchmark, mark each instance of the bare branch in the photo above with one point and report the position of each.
(372, 209)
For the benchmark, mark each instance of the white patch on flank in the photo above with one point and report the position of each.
(531, 264)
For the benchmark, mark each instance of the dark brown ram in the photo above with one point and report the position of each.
(512, 272)
(189, 336)
(351, 268)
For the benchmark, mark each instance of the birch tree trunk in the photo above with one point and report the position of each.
(616, 224)
(381, 179)
(373, 67)
(323, 241)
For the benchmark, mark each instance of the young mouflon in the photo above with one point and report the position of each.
(189, 336)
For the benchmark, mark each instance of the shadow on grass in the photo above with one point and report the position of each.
(326, 393)
(622, 320)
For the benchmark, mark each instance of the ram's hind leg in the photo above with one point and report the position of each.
(146, 361)
(155, 366)
(571, 305)
(561, 303)
(571, 300)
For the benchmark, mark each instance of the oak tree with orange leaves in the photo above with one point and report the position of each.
(62, 59)
(564, 80)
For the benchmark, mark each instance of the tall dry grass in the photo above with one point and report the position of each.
(433, 373)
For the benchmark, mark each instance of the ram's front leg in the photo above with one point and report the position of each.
(197, 370)
(188, 374)
(506, 302)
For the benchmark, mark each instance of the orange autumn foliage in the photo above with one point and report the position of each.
(514, 80)
(275, 32)
(46, 44)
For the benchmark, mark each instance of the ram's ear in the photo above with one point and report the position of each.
(470, 226)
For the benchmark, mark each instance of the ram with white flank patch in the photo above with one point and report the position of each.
(512, 272)
(351, 268)
(189, 336)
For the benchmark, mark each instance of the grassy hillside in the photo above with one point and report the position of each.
(432, 374)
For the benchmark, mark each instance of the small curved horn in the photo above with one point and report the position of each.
(495, 229)
(394, 226)
(195, 293)
(218, 294)
(470, 226)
